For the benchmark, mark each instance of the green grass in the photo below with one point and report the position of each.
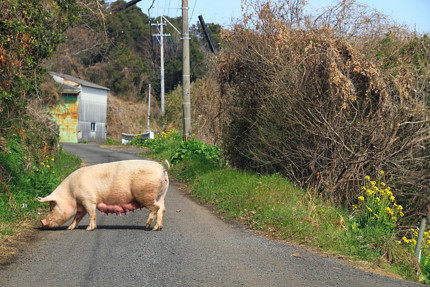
(273, 205)
(18, 204)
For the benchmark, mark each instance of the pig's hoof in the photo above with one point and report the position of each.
(90, 228)
(157, 228)
(71, 227)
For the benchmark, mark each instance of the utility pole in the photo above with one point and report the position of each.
(149, 106)
(161, 35)
(186, 98)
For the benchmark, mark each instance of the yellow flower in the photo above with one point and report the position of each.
(42, 163)
(392, 198)
(53, 171)
(368, 208)
(373, 183)
(383, 183)
(367, 177)
(378, 199)
(361, 198)
(52, 159)
(401, 214)
(363, 188)
(381, 172)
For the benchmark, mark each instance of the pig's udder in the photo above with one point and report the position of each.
(118, 208)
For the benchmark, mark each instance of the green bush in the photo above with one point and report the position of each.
(23, 185)
(161, 145)
(194, 147)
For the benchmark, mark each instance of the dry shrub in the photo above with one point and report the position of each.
(207, 109)
(325, 109)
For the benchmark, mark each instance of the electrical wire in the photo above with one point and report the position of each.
(192, 12)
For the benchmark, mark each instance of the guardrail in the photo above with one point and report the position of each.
(127, 138)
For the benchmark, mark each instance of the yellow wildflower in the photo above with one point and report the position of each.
(361, 198)
(368, 208)
(367, 177)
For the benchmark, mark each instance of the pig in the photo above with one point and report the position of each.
(116, 187)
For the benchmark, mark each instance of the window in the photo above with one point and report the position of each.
(93, 127)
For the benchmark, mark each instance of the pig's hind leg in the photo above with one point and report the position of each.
(160, 214)
(157, 211)
(76, 220)
(154, 210)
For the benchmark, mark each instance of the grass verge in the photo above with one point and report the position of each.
(273, 205)
(19, 210)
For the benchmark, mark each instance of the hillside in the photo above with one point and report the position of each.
(129, 116)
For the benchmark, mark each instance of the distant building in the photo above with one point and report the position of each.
(81, 112)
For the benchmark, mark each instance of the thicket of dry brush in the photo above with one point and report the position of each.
(327, 100)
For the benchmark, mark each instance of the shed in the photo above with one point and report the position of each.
(81, 112)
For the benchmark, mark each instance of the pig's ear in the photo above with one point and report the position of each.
(45, 199)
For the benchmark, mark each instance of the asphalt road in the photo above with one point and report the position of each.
(195, 248)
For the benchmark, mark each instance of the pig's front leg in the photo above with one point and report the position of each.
(78, 218)
(90, 207)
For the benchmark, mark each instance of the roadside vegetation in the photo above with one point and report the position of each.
(311, 128)
(277, 207)
(18, 206)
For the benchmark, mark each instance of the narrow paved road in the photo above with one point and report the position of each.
(195, 248)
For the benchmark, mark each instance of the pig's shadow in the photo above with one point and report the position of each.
(102, 227)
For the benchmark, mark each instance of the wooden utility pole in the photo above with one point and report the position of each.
(186, 98)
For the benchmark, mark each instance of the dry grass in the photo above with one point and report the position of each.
(130, 116)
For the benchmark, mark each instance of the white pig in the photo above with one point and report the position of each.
(116, 187)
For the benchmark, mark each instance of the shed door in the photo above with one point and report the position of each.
(65, 115)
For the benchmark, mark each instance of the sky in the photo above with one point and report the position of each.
(414, 13)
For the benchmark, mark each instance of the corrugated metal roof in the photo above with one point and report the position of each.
(78, 81)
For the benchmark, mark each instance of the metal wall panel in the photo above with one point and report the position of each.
(92, 109)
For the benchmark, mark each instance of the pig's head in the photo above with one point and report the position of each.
(61, 211)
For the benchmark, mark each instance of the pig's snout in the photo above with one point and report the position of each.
(43, 221)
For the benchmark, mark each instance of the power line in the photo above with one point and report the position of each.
(192, 12)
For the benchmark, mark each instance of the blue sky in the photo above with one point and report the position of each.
(414, 13)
